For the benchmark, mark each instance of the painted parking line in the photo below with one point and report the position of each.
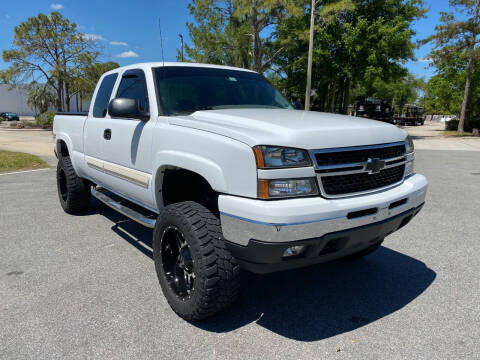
(24, 171)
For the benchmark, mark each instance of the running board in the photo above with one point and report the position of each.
(99, 193)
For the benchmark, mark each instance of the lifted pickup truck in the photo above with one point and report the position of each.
(231, 177)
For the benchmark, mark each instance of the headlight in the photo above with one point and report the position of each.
(409, 143)
(268, 189)
(410, 165)
(409, 168)
(280, 157)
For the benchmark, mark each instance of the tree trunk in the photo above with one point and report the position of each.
(461, 123)
(67, 97)
(60, 96)
(257, 46)
(325, 99)
(333, 90)
(346, 98)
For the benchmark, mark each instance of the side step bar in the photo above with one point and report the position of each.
(99, 193)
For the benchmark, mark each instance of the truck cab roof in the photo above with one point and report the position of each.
(150, 65)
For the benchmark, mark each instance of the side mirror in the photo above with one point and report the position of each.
(127, 109)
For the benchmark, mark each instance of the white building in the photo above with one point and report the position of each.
(14, 99)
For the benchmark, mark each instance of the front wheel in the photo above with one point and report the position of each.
(198, 275)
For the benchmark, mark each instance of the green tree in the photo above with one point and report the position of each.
(40, 97)
(403, 91)
(230, 32)
(355, 47)
(87, 77)
(444, 91)
(459, 37)
(50, 49)
(262, 14)
(218, 36)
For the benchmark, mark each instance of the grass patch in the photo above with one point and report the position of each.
(14, 161)
(454, 133)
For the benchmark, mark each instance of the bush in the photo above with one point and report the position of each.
(45, 120)
(452, 125)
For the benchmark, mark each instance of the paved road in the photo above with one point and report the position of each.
(36, 142)
(84, 286)
(431, 137)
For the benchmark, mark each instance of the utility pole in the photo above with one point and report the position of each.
(310, 56)
(181, 42)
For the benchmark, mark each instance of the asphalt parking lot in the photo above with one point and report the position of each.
(84, 286)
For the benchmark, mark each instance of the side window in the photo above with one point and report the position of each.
(103, 96)
(134, 86)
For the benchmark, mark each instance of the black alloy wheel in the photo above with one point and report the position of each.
(177, 262)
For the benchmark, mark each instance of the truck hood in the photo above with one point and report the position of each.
(292, 128)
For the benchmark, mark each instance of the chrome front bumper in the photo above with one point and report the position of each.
(299, 219)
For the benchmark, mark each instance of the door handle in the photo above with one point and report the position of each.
(107, 134)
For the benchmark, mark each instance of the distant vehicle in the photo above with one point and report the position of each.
(411, 115)
(376, 109)
(9, 116)
(444, 118)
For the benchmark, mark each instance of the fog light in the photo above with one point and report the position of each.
(294, 250)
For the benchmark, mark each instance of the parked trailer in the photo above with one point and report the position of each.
(376, 109)
(410, 115)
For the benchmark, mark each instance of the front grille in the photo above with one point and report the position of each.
(357, 156)
(361, 169)
(359, 182)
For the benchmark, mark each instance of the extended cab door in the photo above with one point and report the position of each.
(93, 131)
(127, 144)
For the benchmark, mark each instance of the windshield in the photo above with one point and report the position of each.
(183, 90)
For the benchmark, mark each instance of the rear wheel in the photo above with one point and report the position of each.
(73, 191)
(198, 275)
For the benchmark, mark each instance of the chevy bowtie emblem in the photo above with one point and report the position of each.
(374, 165)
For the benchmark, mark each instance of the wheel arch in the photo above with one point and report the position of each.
(191, 165)
(63, 145)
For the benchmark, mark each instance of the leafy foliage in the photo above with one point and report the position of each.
(89, 76)
(50, 49)
(362, 47)
(456, 50)
(41, 97)
(232, 32)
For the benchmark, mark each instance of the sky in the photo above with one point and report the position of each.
(129, 32)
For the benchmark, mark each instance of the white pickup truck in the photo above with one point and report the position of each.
(231, 177)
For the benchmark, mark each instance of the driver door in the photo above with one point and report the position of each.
(127, 144)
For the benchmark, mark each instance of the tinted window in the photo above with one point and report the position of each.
(183, 90)
(133, 86)
(103, 96)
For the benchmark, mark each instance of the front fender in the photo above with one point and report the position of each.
(200, 165)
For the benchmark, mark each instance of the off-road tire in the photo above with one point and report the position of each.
(363, 252)
(217, 273)
(73, 191)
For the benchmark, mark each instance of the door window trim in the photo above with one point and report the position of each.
(120, 78)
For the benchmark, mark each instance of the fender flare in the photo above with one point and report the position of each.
(200, 165)
(66, 139)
